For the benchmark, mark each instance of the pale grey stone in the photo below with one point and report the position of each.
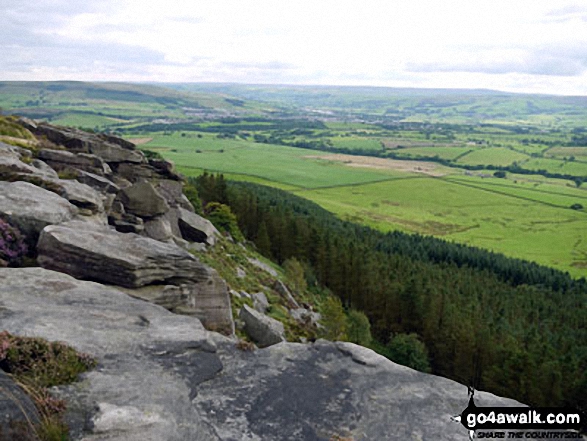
(263, 330)
(260, 302)
(141, 199)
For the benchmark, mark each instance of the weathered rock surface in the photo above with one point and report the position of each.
(32, 208)
(102, 254)
(97, 182)
(260, 302)
(264, 330)
(293, 391)
(64, 160)
(163, 377)
(158, 228)
(78, 141)
(141, 199)
(80, 195)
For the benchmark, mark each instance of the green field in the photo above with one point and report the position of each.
(530, 218)
(557, 166)
(285, 165)
(449, 153)
(494, 155)
(356, 142)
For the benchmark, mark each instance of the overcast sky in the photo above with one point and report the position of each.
(514, 45)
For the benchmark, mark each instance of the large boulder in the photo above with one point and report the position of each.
(32, 208)
(263, 330)
(102, 254)
(332, 391)
(195, 228)
(141, 199)
(158, 228)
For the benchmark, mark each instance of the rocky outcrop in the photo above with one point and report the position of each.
(99, 253)
(285, 293)
(263, 330)
(163, 377)
(78, 141)
(31, 208)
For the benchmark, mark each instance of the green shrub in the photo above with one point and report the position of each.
(409, 350)
(294, 271)
(333, 319)
(359, 328)
(191, 192)
(224, 219)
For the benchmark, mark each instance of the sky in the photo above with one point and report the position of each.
(535, 46)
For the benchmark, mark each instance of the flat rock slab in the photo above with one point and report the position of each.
(102, 254)
(150, 360)
(319, 392)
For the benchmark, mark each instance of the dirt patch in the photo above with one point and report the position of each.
(427, 168)
(139, 141)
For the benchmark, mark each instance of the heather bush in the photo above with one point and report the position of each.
(36, 365)
(12, 246)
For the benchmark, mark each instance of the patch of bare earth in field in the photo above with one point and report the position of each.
(139, 141)
(427, 168)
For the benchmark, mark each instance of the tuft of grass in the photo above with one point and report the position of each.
(9, 127)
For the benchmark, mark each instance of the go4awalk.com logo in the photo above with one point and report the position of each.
(519, 422)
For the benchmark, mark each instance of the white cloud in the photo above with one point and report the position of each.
(380, 42)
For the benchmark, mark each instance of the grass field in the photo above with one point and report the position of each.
(557, 166)
(523, 216)
(286, 165)
(448, 153)
(212, 127)
(356, 142)
(493, 155)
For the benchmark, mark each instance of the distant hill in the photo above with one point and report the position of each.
(103, 105)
